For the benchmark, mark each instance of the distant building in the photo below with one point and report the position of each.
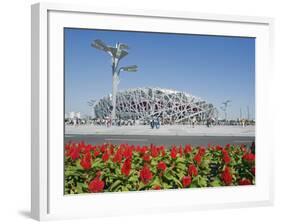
(72, 115)
(171, 106)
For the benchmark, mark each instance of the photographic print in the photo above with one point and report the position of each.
(157, 111)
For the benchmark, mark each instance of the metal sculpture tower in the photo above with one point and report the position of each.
(224, 108)
(117, 53)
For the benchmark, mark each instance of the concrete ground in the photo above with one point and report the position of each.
(165, 130)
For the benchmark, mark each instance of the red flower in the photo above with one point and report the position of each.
(146, 157)
(105, 156)
(201, 151)
(74, 153)
(96, 152)
(162, 166)
(244, 182)
(111, 150)
(143, 149)
(154, 151)
(67, 146)
(218, 147)
(198, 158)
(226, 157)
(128, 152)
(145, 174)
(86, 162)
(118, 156)
(126, 168)
(174, 152)
(180, 151)
(103, 148)
(96, 185)
(81, 146)
(187, 149)
(157, 187)
(186, 181)
(226, 176)
(161, 148)
(87, 148)
(249, 157)
(192, 170)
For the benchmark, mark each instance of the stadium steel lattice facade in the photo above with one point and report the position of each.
(142, 104)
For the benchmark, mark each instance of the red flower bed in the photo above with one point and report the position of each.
(111, 168)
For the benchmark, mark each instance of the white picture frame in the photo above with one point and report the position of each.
(48, 201)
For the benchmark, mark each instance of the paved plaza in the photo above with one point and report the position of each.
(165, 130)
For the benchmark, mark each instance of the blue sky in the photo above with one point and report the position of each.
(214, 68)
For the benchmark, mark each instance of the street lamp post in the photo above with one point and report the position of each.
(226, 103)
(117, 53)
(92, 103)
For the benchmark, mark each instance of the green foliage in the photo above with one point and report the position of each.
(209, 171)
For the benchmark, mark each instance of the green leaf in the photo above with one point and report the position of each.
(80, 187)
(97, 163)
(216, 183)
(168, 176)
(114, 186)
(202, 181)
(124, 188)
(177, 182)
(181, 166)
(71, 173)
(180, 160)
(141, 186)
(193, 185)
(153, 162)
(180, 175)
(77, 163)
(204, 164)
(156, 181)
(133, 178)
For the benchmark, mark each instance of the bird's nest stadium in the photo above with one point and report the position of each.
(142, 104)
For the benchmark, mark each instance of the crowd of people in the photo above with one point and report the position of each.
(155, 122)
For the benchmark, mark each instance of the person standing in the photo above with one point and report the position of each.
(193, 121)
(152, 123)
(157, 123)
